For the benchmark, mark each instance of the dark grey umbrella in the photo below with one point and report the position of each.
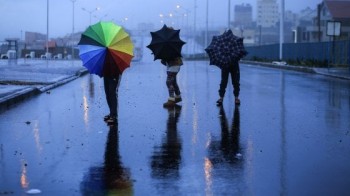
(225, 48)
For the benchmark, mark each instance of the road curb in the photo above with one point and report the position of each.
(296, 68)
(19, 96)
(286, 67)
(56, 84)
(64, 81)
(333, 75)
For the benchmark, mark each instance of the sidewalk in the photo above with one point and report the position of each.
(31, 77)
(341, 73)
(24, 78)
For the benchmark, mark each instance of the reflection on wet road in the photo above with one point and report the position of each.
(290, 136)
(166, 160)
(111, 177)
(224, 162)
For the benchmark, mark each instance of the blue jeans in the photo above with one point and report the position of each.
(233, 69)
(111, 85)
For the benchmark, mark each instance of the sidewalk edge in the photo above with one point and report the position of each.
(7, 101)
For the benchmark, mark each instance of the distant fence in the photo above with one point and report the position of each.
(335, 53)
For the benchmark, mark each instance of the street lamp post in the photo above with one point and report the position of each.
(185, 14)
(194, 26)
(72, 37)
(47, 28)
(90, 12)
(121, 22)
(195, 17)
(229, 14)
(170, 16)
(161, 18)
(206, 24)
(125, 20)
(100, 18)
(188, 29)
(281, 30)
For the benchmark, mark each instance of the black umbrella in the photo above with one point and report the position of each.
(166, 43)
(225, 48)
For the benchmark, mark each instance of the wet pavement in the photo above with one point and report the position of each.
(290, 136)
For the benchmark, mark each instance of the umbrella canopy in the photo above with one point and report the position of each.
(166, 43)
(105, 49)
(235, 45)
(225, 48)
(213, 51)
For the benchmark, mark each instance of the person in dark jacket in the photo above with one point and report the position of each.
(233, 70)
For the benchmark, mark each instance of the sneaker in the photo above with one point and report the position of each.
(106, 117)
(178, 99)
(111, 120)
(237, 101)
(219, 102)
(170, 102)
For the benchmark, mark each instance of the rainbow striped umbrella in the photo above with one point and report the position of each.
(105, 49)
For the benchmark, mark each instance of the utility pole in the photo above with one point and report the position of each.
(194, 26)
(281, 30)
(206, 26)
(47, 29)
(229, 14)
(72, 37)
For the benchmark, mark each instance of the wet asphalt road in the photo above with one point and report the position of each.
(290, 136)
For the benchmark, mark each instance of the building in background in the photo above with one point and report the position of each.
(243, 24)
(267, 13)
(312, 23)
(305, 30)
(332, 11)
(243, 15)
(267, 22)
(34, 40)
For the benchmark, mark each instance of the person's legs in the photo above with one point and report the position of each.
(171, 84)
(223, 84)
(176, 86)
(111, 88)
(106, 88)
(113, 93)
(235, 77)
(177, 90)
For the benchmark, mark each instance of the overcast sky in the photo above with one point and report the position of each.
(18, 16)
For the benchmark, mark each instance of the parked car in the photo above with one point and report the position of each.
(46, 56)
(4, 56)
(9, 54)
(30, 55)
(58, 56)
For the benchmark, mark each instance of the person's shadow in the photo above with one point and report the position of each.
(112, 177)
(166, 159)
(227, 149)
